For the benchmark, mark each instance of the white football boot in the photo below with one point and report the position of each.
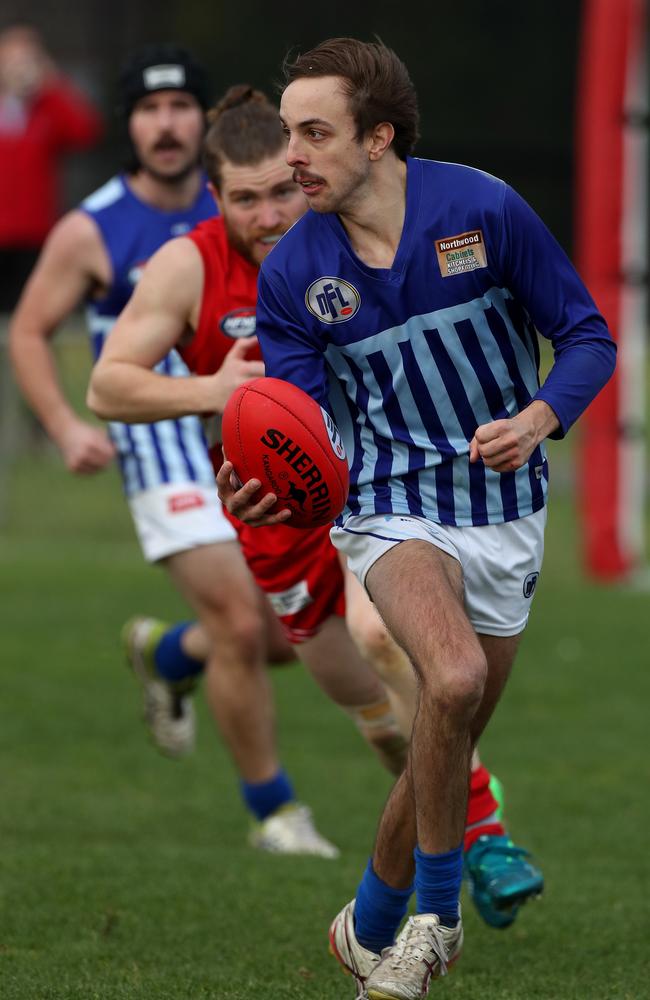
(356, 960)
(168, 709)
(291, 830)
(424, 950)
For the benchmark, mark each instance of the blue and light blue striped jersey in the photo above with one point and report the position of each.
(168, 451)
(411, 360)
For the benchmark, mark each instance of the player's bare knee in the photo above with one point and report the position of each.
(248, 635)
(241, 630)
(457, 688)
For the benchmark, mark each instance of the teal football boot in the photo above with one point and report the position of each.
(500, 878)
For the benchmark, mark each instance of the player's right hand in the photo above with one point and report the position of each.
(243, 502)
(235, 371)
(85, 448)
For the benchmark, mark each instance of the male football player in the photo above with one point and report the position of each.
(408, 302)
(96, 255)
(197, 293)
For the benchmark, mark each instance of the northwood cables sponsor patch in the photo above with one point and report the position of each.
(462, 253)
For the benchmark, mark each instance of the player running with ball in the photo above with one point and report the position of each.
(199, 293)
(408, 301)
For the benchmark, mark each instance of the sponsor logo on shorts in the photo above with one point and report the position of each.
(289, 602)
(239, 323)
(332, 300)
(462, 253)
(530, 583)
(180, 502)
(334, 435)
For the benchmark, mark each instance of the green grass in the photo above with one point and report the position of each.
(124, 876)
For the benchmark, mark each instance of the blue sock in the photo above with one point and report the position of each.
(378, 911)
(264, 797)
(171, 662)
(438, 879)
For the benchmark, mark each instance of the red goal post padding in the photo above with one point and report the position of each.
(611, 254)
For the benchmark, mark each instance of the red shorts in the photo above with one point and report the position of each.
(300, 573)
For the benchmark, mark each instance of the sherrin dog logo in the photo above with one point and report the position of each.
(332, 300)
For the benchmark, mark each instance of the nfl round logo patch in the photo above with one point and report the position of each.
(239, 323)
(332, 300)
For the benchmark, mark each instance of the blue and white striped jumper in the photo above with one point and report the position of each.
(168, 451)
(411, 360)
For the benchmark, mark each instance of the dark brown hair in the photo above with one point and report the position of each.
(376, 82)
(243, 128)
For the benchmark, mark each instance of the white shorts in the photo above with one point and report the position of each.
(175, 517)
(501, 562)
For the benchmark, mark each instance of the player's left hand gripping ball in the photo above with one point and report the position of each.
(275, 432)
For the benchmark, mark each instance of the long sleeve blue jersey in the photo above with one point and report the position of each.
(411, 360)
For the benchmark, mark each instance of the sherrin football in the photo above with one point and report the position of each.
(275, 432)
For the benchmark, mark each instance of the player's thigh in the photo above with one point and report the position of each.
(413, 574)
(418, 590)
(337, 666)
(364, 621)
(216, 579)
(500, 653)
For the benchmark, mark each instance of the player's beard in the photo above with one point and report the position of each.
(345, 196)
(172, 179)
(243, 246)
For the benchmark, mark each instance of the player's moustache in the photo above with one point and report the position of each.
(167, 141)
(300, 176)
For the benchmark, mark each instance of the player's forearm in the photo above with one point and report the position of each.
(37, 377)
(582, 367)
(123, 391)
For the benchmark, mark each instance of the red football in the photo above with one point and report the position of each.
(275, 432)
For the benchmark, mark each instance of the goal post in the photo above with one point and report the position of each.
(611, 254)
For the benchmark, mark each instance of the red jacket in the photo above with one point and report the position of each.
(59, 119)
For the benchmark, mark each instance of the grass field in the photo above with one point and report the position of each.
(125, 876)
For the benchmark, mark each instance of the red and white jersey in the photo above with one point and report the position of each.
(298, 570)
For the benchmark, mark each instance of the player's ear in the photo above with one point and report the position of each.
(379, 139)
(215, 194)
